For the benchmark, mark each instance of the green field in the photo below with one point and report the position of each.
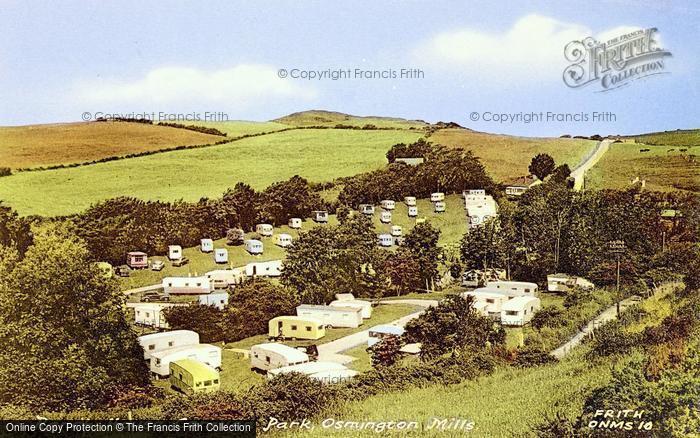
(665, 168)
(679, 138)
(507, 403)
(332, 118)
(319, 155)
(237, 128)
(507, 156)
(64, 143)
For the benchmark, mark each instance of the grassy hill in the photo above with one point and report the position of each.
(332, 118)
(680, 138)
(317, 154)
(507, 156)
(45, 145)
(664, 166)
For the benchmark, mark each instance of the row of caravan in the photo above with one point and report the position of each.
(160, 349)
(513, 303)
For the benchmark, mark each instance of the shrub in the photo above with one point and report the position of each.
(5, 171)
(611, 339)
(549, 317)
(532, 356)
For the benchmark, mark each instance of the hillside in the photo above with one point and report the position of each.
(508, 156)
(316, 154)
(45, 145)
(679, 138)
(332, 118)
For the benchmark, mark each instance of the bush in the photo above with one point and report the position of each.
(5, 171)
(610, 339)
(550, 316)
(532, 356)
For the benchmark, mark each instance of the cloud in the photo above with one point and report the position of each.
(532, 49)
(245, 85)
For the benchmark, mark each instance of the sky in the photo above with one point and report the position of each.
(67, 61)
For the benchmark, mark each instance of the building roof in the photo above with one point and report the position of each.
(493, 284)
(289, 353)
(518, 303)
(167, 352)
(309, 368)
(344, 297)
(168, 334)
(298, 318)
(199, 370)
(254, 241)
(411, 348)
(136, 253)
(324, 308)
(521, 181)
(388, 329)
(488, 293)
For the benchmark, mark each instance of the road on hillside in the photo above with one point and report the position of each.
(330, 351)
(579, 173)
(607, 315)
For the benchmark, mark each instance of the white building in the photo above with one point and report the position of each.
(410, 201)
(566, 282)
(295, 223)
(437, 197)
(480, 207)
(206, 245)
(388, 204)
(225, 278)
(162, 341)
(412, 211)
(385, 217)
(264, 229)
(273, 355)
(216, 299)
(254, 246)
(396, 230)
(519, 310)
(150, 314)
(334, 316)
(514, 287)
(488, 303)
(186, 285)
(320, 216)
(385, 240)
(367, 209)
(273, 268)
(221, 255)
(364, 306)
(282, 240)
(205, 353)
(440, 207)
(174, 252)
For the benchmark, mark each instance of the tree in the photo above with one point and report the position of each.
(205, 320)
(386, 352)
(403, 272)
(453, 325)
(287, 199)
(246, 202)
(252, 305)
(542, 165)
(14, 231)
(486, 246)
(422, 243)
(64, 339)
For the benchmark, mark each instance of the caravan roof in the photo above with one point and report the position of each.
(387, 329)
(163, 353)
(518, 303)
(168, 334)
(308, 368)
(289, 353)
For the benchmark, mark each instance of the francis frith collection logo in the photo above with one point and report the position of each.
(614, 63)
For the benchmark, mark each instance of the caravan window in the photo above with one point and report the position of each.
(308, 328)
(267, 359)
(152, 347)
(490, 300)
(207, 383)
(527, 289)
(170, 344)
(511, 313)
(216, 381)
(294, 327)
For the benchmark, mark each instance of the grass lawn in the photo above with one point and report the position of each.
(665, 168)
(506, 156)
(44, 145)
(316, 154)
(507, 403)
(362, 362)
(679, 138)
(381, 314)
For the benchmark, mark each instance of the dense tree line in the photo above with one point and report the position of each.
(116, 226)
(251, 306)
(448, 170)
(346, 259)
(64, 339)
(555, 229)
(417, 149)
